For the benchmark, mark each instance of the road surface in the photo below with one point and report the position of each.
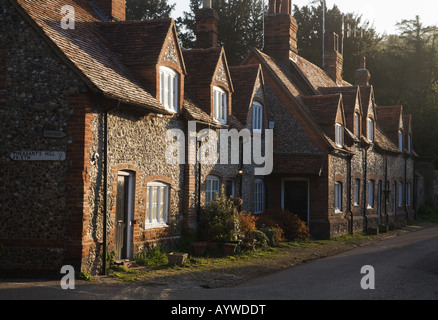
(405, 268)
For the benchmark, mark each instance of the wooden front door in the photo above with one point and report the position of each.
(124, 208)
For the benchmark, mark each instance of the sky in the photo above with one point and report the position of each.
(383, 14)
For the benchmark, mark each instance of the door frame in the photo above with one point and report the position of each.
(130, 215)
(308, 194)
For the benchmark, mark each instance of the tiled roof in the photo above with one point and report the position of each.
(138, 42)
(324, 108)
(349, 96)
(298, 164)
(384, 143)
(244, 81)
(201, 65)
(314, 75)
(87, 51)
(389, 118)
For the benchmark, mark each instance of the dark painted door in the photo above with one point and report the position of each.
(122, 217)
(296, 198)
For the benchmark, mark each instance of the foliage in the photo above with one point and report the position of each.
(148, 9)
(85, 276)
(428, 213)
(152, 257)
(361, 39)
(274, 235)
(240, 26)
(262, 239)
(292, 226)
(247, 223)
(219, 220)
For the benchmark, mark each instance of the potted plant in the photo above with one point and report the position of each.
(219, 221)
(199, 248)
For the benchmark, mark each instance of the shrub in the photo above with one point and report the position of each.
(274, 235)
(152, 257)
(261, 238)
(219, 220)
(247, 224)
(292, 226)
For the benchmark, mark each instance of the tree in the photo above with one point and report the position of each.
(357, 38)
(407, 74)
(240, 26)
(148, 9)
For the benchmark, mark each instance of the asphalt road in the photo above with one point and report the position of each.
(405, 268)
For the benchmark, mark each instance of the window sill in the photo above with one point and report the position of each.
(156, 226)
(338, 212)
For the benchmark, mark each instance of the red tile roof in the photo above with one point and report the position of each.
(244, 81)
(86, 50)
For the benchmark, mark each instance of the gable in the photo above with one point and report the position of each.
(222, 76)
(171, 53)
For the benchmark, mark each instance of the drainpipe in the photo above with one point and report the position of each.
(198, 209)
(365, 186)
(349, 193)
(405, 188)
(105, 186)
(386, 188)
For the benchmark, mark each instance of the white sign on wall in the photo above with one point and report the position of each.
(38, 156)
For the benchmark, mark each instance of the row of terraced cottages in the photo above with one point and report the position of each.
(90, 111)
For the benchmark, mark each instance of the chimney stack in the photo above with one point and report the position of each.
(362, 76)
(333, 59)
(115, 10)
(281, 31)
(207, 21)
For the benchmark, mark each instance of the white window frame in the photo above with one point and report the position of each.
(370, 130)
(338, 197)
(257, 110)
(161, 204)
(357, 124)
(409, 143)
(357, 183)
(400, 194)
(212, 188)
(339, 135)
(400, 140)
(220, 105)
(371, 195)
(259, 196)
(169, 88)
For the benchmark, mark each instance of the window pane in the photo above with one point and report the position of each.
(162, 203)
(154, 203)
(148, 208)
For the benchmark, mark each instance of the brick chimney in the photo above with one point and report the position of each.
(115, 10)
(207, 21)
(281, 31)
(333, 59)
(362, 76)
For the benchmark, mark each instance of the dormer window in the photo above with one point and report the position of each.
(220, 105)
(339, 135)
(257, 117)
(169, 89)
(370, 131)
(400, 140)
(357, 125)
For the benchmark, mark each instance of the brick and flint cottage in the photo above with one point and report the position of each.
(342, 163)
(89, 107)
